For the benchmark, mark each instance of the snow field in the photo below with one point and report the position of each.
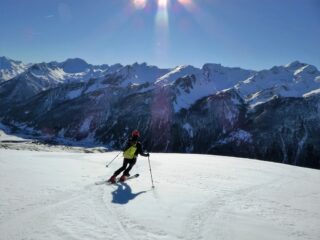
(52, 195)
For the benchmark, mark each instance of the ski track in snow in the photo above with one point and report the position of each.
(210, 210)
(54, 196)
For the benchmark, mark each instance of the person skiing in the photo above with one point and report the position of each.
(130, 154)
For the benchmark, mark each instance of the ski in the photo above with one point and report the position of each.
(117, 180)
(128, 178)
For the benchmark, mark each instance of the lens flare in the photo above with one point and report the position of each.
(188, 4)
(140, 4)
(185, 2)
(162, 16)
(162, 30)
(163, 3)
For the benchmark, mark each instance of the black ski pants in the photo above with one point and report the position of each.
(125, 167)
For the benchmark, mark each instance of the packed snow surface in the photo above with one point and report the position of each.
(5, 137)
(52, 195)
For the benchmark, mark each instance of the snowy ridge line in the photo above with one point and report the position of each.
(190, 83)
(236, 106)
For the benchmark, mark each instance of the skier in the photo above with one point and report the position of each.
(130, 154)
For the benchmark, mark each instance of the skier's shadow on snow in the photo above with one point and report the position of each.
(123, 194)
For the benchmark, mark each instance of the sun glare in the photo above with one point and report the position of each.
(140, 3)
(162, 16)
(185, 2)
(162, 19)
(188, 4)
(162, 3)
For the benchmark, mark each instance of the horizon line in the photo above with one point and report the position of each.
(155, 65)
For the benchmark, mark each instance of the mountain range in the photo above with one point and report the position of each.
(271, 114)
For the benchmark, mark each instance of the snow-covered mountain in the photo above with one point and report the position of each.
(188, 84)
(39, 77)
(292, 80)
(213, 109)
(137, 74)
(52, 195)
(78, 70)
(10, 68)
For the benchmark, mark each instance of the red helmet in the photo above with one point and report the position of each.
(135, 133)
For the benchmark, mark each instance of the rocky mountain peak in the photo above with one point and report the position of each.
(295, 65)
(74, 65)
(10, 68)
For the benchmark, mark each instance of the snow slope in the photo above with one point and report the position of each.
(5, 137)
(52, 195)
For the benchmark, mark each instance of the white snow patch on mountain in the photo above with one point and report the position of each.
(74, 93)
(6, 136)
(312, 93)
(139, 74)
(189, 129)
(86, 124)
(49, 74)
(176, 73)
(293, 80)
(186, 98)
(10, 68)
(238, 137)
(193, 83)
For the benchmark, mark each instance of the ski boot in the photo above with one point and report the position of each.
(112, 179)
(123, 178)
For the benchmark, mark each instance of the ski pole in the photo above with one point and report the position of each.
(113, 159)
(117, 155)
(150, 172)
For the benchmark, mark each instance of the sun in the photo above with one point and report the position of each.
(164, 9)
(140, 4)
(163, 3)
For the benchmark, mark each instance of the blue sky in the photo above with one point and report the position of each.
(254, 34)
